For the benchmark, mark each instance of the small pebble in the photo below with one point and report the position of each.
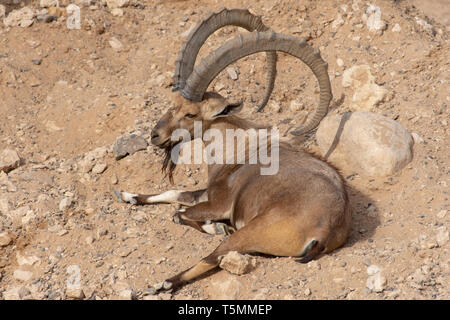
(5, 239)
(232, 73)
(76, 294)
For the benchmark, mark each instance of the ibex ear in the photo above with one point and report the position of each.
(224, 109)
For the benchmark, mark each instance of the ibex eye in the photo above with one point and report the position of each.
(190, 115)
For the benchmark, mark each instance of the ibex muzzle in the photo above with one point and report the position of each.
(302, 210)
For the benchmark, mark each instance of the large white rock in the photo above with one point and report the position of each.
(367, 143)
(366, 93)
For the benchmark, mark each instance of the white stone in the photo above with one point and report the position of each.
(11, 294)
(373, 20)
(441, 214)
(337, 22)
(26, 23)
(274, 107)
(376, 282)
(417, 139)
(113, 4)
(89, 240)
(6, 182)
(9, 160)
(296, 105)
(5, 239)
(117, 12)
(396, 28)
(366, 93)
(423, 24)
(236, 263)
(84, 3)
(28, 217)
(20, 212)
(75, 294)
(340, 62)
(225, 288)
(2, 11)
(16, 17)
(4, 206)
(48, 3)
(373, 269)
(22, 275)
(368, 143)
(26, 260)
(126, 294)
(442, 236)
(99, 168)
(86, 164)
(65, 204)
(232, 73)
(115, 44)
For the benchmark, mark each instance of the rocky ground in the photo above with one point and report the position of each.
(67, 95)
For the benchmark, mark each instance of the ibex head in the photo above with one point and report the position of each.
(184, 112)
(194, 103)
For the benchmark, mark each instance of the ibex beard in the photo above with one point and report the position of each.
(302, 210)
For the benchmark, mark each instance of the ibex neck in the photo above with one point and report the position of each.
(231, 142)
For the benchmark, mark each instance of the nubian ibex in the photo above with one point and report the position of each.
(302, 210)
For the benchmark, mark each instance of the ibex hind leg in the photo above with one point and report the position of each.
(245, 240)
(212, 261)
(187, 198)
(263, 234)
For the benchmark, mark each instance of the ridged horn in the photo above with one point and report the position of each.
(197, 37)
(246, 44)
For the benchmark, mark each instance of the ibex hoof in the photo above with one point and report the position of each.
(222, 228)
(117, 195)
(125, 197)
(176, 219)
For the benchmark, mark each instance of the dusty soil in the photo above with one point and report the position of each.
(84, 95)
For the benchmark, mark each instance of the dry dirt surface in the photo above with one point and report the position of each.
(66, 95)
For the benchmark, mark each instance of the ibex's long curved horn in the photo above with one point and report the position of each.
(221, 18)
(247, 44)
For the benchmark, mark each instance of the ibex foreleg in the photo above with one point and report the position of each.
(187, 198)
(202, 217)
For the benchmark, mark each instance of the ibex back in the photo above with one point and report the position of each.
(301, 211)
